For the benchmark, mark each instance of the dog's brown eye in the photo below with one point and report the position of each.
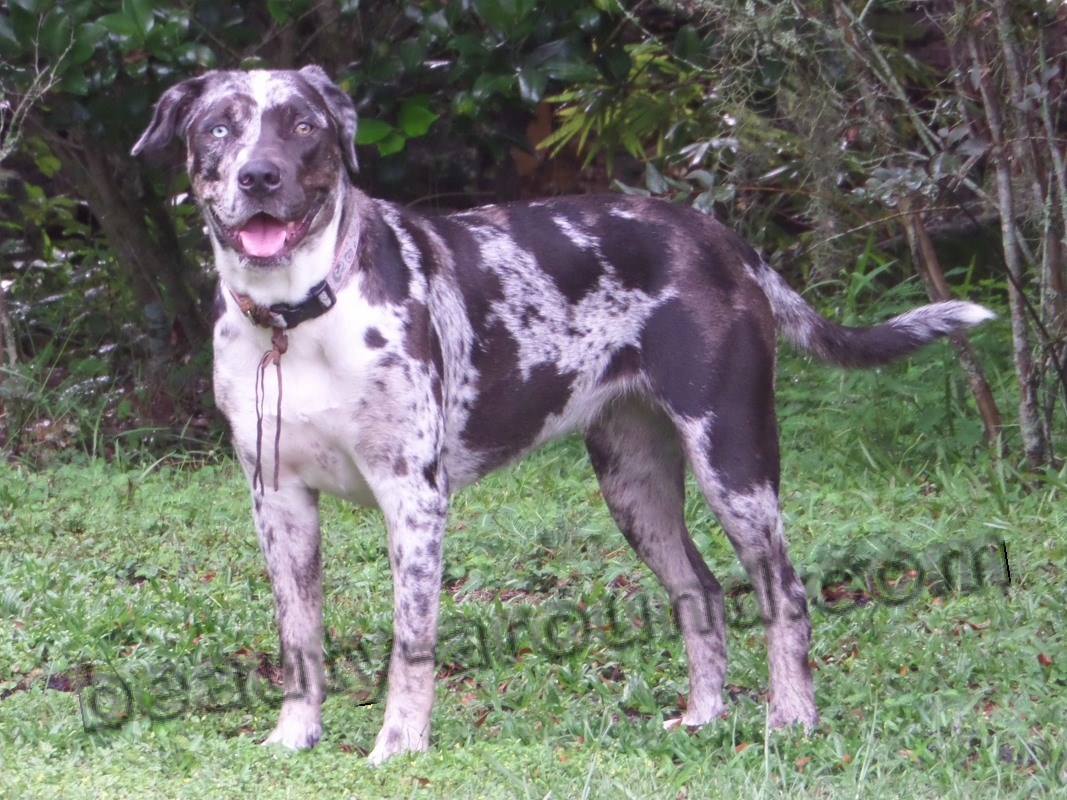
(303, 128)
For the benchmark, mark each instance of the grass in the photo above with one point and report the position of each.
(145, 588)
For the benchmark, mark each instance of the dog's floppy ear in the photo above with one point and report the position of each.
(170, 115)
(341, 109)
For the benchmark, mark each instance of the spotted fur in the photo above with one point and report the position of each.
(459, 343)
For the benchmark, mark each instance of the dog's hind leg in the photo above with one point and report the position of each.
(638, 459)
(721, 398)
(753, 524)
(734, 455)
(287, 522)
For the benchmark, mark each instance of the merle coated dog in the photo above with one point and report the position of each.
(391, 358)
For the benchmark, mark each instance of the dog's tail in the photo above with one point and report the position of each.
(811, 332)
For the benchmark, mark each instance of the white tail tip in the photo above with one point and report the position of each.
(973, 314)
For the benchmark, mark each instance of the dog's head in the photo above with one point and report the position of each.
(268, 153)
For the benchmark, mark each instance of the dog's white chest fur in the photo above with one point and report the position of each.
(328, 396)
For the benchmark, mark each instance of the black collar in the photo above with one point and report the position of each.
(289, 315)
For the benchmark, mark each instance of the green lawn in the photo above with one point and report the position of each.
(150, 581)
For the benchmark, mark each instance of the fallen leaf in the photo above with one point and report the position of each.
(1044, 660)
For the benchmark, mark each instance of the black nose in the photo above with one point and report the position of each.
(259, 177)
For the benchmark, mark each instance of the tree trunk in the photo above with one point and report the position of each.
(7, 333)
(1035, 442)
(1034, 163)
(869, 61)
(139, 230)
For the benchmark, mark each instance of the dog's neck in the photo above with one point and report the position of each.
(305, 287)
(286, 316)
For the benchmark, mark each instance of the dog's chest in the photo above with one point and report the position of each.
(328, 389)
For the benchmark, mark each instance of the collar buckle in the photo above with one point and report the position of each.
(318, 302)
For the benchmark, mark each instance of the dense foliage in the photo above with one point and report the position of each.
(902, 136)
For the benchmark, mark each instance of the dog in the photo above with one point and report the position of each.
(390, 358)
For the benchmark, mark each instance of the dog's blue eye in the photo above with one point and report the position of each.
(220, 131)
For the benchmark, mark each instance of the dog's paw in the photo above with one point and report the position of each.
(784, 715)
(687, 721)
(695, 715)
(392, 741)
(296, 731)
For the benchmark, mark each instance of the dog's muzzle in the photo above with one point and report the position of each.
(264, 237)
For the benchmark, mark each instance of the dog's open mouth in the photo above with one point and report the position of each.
(264, 236)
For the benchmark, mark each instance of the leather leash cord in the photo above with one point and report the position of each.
(280, 343)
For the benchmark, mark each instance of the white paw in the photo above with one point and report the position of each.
(695, 717)
(393, 740)
(678, 722)
(297, 731)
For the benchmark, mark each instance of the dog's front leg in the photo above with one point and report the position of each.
(415, 515)
(287, 522)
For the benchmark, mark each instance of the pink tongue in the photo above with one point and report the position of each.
(263, 236)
